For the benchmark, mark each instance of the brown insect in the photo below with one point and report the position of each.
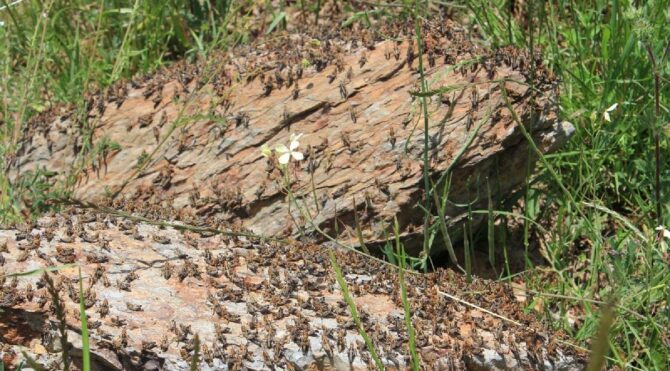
(23, 256)
(134, 307)
(103, 310)
(207, 354)
(29, 292)
(331, 77)
(341, 339)
(362, 60)
(148, 345)
(474, 99)
(35, 242)
(157, 134)
(164, 343)
(344, 93)
(89, 237)
(296, 91)
(267, 88)
(116, 321)
(123, 285)
(137, 235)
(241, 119)
(105, 281)
(158, 98)
(346, 140)
(396, 51)
(124, 338)
(392, 138)
(65, 255)
(350, 73)
(220, 333)
(286, 115)
(163, 240)
(67, 238)
(431, 58)
(387, 52)
(183, 332)
(352, 113)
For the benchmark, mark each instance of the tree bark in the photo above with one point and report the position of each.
(190, 137)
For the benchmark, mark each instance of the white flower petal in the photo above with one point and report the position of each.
(284, 159)
(612, 107)
(606, 115)
(293, 145)
(666, 233)
(297, 156)
(280, 148)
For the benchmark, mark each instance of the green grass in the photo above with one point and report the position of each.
(351, 304)
(83, 319)
(400, 251)
(601, 190)
(593, 207)
(58, 51)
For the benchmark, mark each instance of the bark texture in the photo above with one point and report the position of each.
(185, 145)
(189, 137)
(253, 305)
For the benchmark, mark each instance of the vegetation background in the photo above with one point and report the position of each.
(593, 210)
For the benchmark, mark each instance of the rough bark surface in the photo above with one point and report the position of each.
(253, 305)
(190, 136)
(184, 144)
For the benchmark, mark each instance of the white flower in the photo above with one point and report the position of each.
(285, 153)
(665, 232)
(606, 114)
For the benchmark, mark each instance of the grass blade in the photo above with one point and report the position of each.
(30, 360)
(86, 353)
(466, 253)
(601, 343)
(195, 360)
(491, 232)
(354, 312)
(400, 250)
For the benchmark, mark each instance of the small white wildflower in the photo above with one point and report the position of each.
(285, 153)
(611, 108)
(664, 231)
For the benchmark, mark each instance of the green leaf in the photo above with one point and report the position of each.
(275, 21)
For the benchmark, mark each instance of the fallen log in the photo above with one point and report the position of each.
(189, 137)
(184, 144)
(150, 290)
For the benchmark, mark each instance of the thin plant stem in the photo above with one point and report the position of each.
(83, 318)
(400, 251)
(426, 139)
(657, 140)
(354, 312)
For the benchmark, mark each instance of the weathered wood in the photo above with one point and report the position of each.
(189, 150)
(203, 126)
(274, 305)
